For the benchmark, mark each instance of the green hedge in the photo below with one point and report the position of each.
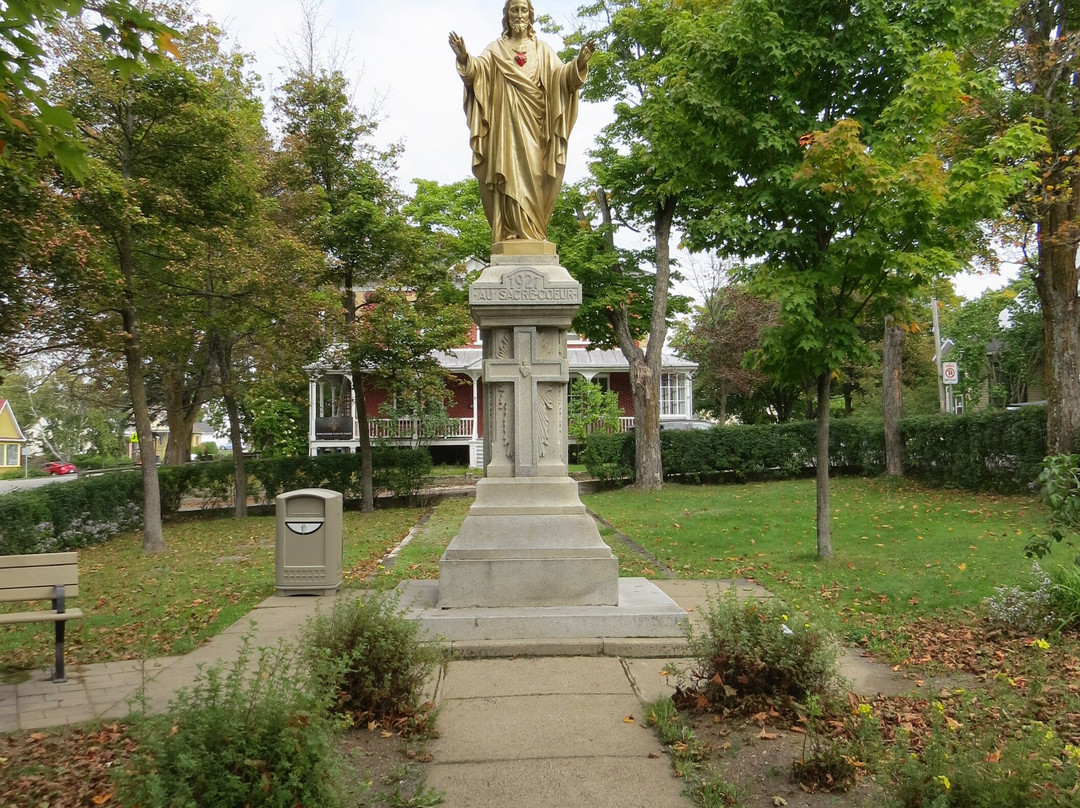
(69, 515)
(998, 451)
(990, 451)
(66, 516)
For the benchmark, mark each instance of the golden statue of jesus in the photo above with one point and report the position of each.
(520, 103)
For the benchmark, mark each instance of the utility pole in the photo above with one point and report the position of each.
(937, 352)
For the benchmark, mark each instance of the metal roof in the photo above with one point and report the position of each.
(580, 359)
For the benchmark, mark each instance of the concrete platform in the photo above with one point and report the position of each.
(647, 622)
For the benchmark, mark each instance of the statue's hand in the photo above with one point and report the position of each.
(458, 46)
(587, 50)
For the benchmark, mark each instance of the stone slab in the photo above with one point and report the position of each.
(530, 727)
(494, 678)
(643, 610)
(589, 782)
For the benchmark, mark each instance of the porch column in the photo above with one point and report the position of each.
(312, 405)
(475, 411)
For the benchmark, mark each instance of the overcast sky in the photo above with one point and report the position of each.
(399, 60)
(400, 63)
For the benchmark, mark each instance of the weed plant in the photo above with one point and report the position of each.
(689, 758)
(967, 763)
(1065, 593)
(1027, 607)
(242, 736)
(750, 651)
(383, 662)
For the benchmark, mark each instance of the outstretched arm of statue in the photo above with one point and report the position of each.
(587, 50)
(458, 46)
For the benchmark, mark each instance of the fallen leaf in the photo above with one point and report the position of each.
(628, 720)
(778, 801)
(654, 755)
(768, 736)
(101, 799)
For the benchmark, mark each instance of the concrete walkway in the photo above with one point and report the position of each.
(524, 731)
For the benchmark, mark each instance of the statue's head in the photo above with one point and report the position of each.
(517, 12)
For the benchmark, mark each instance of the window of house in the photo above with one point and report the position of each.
(672, 394)
(11, 454)
(603, 381)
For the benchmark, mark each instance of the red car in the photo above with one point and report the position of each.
(59, 467)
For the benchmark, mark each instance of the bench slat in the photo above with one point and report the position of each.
(39, 559)
(40, 617)
(53, 575)
(36, 578)
(36, 593)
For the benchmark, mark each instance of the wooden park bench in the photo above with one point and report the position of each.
(45, 576)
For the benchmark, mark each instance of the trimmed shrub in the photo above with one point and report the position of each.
(383, 663)
(609, 458)
(399, 471)
(991, 451)
(88, 510)
(69, 515)
(986, 451)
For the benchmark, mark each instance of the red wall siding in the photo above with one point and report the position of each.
(620, 383)
(460, 406)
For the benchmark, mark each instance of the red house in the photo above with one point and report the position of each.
(332, 421)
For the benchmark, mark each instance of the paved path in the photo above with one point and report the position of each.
(526, 731)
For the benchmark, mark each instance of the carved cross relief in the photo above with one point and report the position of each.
(536, 412)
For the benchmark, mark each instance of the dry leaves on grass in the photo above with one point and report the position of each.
(61, 768)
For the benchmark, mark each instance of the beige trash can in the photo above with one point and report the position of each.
(309, 542)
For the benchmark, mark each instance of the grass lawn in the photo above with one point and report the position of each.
(216, 571)
(898, 547)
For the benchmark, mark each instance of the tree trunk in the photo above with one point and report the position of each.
(222, 351)
(367, 488)
(648, 465)
(240, 493)
(178, 448)
(892, 395)
(1056, 281)
(153, 538)
(824, 529)
(645, 366)
(723, 403)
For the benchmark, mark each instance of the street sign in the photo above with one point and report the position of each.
(950, 372)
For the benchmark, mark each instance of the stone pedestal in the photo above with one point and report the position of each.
(527, 541)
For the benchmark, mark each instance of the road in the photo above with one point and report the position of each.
(7, 486)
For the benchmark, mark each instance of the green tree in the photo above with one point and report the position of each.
(723, 331)
(592, 409)
(453, 217)
(637, 183)
(147, 207)
(822, 134)
(66, 410)
(397, 304)
(1037, 61)
(133, 39)
(999, 344)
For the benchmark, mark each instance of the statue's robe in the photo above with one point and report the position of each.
(519, 117)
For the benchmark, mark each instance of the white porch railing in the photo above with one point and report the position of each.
(406, 428)
(626, 423)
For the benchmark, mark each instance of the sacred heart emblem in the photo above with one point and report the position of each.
(520, 59)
